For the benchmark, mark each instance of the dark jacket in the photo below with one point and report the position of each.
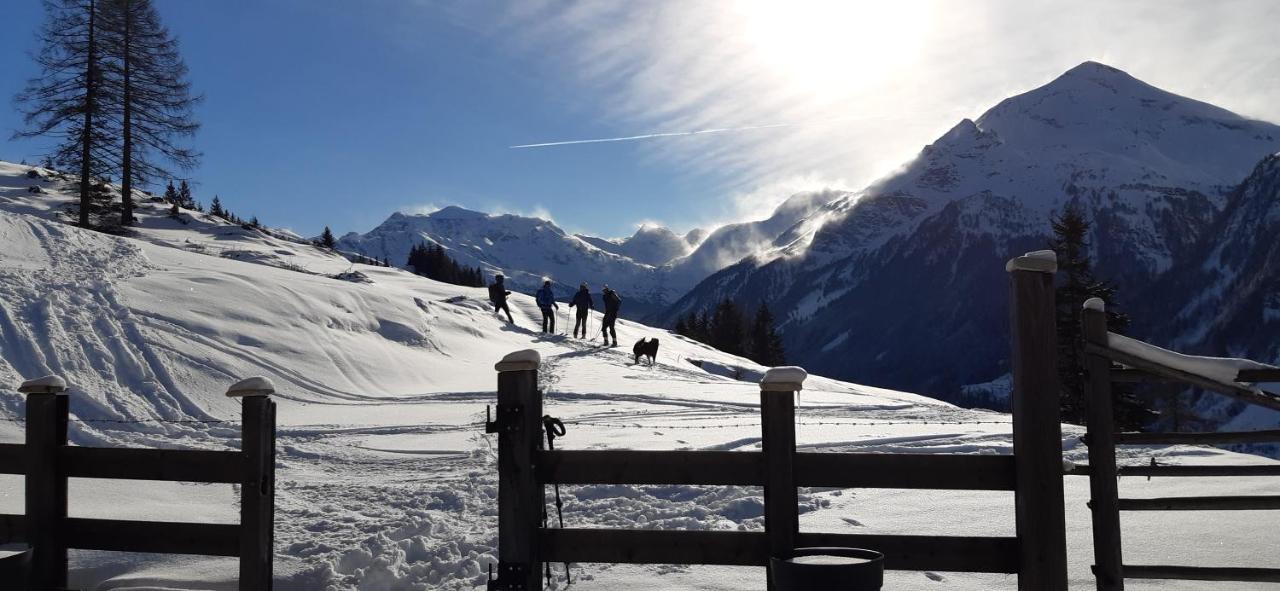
(545, 297)
(611, 302)
(498, 292)
(583, 301)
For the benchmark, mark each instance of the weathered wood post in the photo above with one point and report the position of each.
(1037, 430)
(258, 483)
(1103, 489)
(520, 496)
(46, 491)
(778, 443)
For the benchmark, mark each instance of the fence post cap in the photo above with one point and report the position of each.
(1095, 304)
(250, 387)
(1044, 261)
(523, 360)
(46, 385)
(788, 378)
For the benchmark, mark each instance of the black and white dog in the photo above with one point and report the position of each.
(646, 348)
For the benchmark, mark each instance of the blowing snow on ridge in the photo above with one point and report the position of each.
(1152, 169)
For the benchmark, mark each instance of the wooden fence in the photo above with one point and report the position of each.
(1101, 438)
(1037, 554)
(48, 462)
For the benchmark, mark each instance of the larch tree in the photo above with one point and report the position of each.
(146, 74)
(68, 100)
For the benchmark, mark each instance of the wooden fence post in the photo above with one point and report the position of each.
(1037, 428)
(1103, 489)
(46, 490)
(520, 495)
(778, 443)
(258, 484)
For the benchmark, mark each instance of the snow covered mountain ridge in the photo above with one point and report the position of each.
(651, 269)
(904, 286)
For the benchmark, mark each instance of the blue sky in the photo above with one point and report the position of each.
(324, 112)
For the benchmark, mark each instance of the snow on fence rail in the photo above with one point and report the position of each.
(47, 462)
(1232, 377)
(1037, 554)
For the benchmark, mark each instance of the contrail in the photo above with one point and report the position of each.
(670, 134)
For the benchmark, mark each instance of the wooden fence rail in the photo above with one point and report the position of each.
(1037, 554)
(47, 462)
(1109, 569)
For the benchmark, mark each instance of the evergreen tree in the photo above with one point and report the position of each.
(67, 100)
(725, 329)
(682, 326)
(215, 208)
(253, 223)
(326, 237)
(765, 343)
(1077, 284)
(185, 198)
(145, 76)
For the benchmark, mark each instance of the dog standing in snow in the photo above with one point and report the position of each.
(646, 348)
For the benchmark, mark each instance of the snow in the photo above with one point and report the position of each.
(43, 385)
(1095, 304)
(1219, 369)
(385, 480)
(522, 360)
(255, 386)
(1043, 261)
(787, 378)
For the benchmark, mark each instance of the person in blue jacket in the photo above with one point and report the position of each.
(582, 300)
(546, 301)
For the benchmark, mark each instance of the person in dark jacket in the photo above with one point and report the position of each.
(498, 295)
(546, 301)
(582, 301)
(611, 305)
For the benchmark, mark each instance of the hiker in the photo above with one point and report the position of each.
(582, 300)
(546, 301)
(498, 295)
(611, 304)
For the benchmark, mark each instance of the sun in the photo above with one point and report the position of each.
(833, 47)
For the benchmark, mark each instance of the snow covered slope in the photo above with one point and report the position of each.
(385, 481)
(917, 258)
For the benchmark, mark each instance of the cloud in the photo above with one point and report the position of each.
(889, 77)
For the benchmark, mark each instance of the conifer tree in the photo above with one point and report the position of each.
(765, 343)
(215, 208)
(326, 238)
(725, 329)
(67, 100)
(1077, 284)
(145, 74)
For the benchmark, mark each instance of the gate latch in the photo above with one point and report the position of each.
(508, 420)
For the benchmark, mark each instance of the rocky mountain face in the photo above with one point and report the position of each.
(1231, 290)
(904, 286)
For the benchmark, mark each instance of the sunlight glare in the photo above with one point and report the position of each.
(835, 47)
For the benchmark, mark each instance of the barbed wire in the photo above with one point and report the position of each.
(136, 421)
(799, 424)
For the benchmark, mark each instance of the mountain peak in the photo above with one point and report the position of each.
(454, 212)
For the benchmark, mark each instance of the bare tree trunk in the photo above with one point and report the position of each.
(86, 135)
(126, 154)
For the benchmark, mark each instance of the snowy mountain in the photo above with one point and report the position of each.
(384, 478)
(1232, 306)
(651, 269)
(650, 245)
(905, 285)
(525, 249)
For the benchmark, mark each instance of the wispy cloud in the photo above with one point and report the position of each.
(895, 74)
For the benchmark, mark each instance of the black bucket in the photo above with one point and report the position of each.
(828, 569)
